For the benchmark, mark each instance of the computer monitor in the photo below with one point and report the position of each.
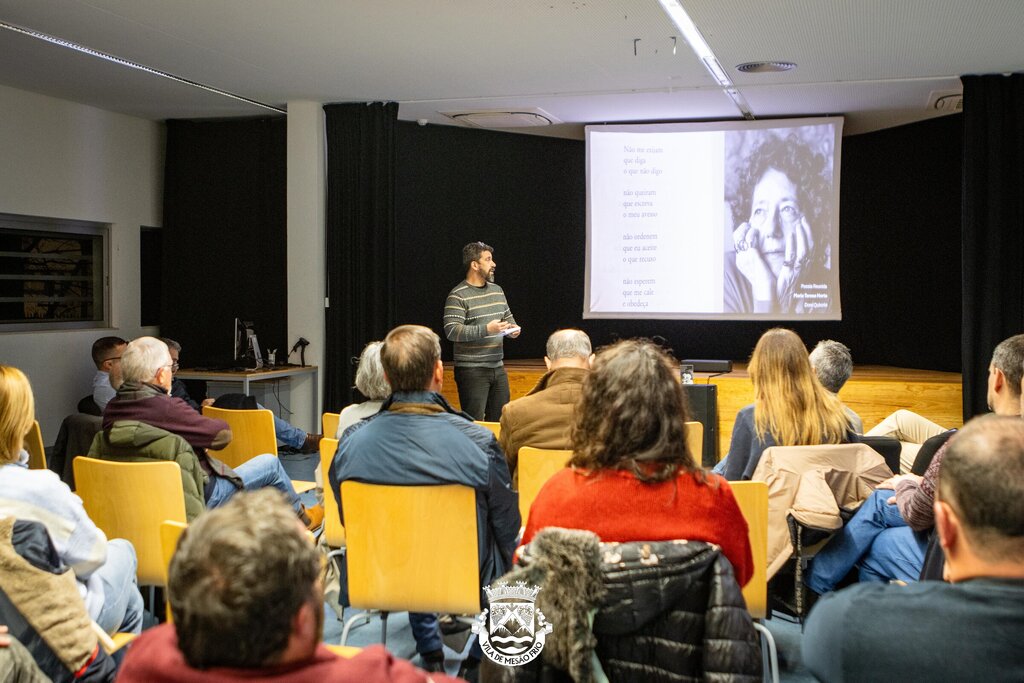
(246, 345)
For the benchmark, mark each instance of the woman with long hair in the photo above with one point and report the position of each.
(105, 571)
(791, 407)
(631, 476)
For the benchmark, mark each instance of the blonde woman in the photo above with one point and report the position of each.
(105, 571)
(791, 407)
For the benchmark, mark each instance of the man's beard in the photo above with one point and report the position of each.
(490, 276)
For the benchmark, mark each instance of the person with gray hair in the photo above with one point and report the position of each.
(833, 365)
(873, 632)
(137, 422)
(286, 433)
(543, 418)
(371, 383)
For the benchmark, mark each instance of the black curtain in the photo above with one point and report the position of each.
(361, 282)
(993, 225)
(225, 235)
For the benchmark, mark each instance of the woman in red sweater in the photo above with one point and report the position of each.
(631, 476)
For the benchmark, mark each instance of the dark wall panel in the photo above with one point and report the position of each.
(525, 195)
(225, 235)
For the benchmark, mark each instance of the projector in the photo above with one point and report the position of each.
(705, 365)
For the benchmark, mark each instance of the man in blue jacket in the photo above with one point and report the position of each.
(419, 439)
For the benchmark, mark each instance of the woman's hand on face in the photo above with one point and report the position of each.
(751, 264)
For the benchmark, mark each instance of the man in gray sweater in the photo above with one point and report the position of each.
(476, 320)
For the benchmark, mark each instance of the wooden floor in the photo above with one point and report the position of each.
(874, 391)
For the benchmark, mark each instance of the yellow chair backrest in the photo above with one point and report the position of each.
(412, 548)
(131, 500)
(252, 434)
(495, 427)
(35, 448)
(334, 532)
(170, 532)
(695, 440)
(752, 498)
(346, 651)
(536, 466)
(329, 424)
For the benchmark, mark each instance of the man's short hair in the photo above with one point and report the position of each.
(568, 343)
(409, 355)
(240, 575)
(1009, 358)
(370, 379)
(471, 252)
(143, 359)
(171, 344)
(102, 347)
(982, 479)
(832, 363)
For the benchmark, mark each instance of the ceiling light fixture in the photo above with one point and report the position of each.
(765, 67)
(703, 51)
(53, 40)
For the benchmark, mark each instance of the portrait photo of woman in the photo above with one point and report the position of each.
(779, 252)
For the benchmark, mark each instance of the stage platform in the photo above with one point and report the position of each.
(874, 391)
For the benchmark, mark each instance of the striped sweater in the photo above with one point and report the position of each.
(467, 311)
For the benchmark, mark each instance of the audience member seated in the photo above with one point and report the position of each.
(290, 436)
(371, 383)
(791, 407)
(911, 430)
(886, 539)
(632, 478)
(966, 630)
(833, 364)
(105, 571)
(140, 422)
(106, 354)
(244, 588)
(543, 417)
(439, 445)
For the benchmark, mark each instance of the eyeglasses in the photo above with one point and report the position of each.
(112, 359)
(175, 366)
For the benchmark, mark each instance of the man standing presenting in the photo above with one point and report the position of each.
(476, 320)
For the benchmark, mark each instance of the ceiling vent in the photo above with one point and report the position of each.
(503, 118)
(765, 67)
(948, 101)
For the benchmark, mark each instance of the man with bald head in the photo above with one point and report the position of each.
(543, 418)
(967, 629)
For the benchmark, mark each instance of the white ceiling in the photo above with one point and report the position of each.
(875, 61)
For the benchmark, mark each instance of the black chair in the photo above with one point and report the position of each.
(887, 447)
(928, 450)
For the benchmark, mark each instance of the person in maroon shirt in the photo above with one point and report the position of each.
(144, 397)
(245, 592)
(632, 477)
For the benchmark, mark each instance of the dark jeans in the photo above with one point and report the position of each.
(482, 391)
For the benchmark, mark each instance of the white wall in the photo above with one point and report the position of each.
(67, 160)
(307, 193)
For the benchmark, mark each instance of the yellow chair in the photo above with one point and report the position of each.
(695, 440)
(346, 651)
(410, 548)
(131, 500)
(536, 466)
(334, 532)
(170, 532)
(329, 424)
(752, 499)
(495, 427)
(35, 448)
(252, 434)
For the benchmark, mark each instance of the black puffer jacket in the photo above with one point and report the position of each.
(665, 611)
